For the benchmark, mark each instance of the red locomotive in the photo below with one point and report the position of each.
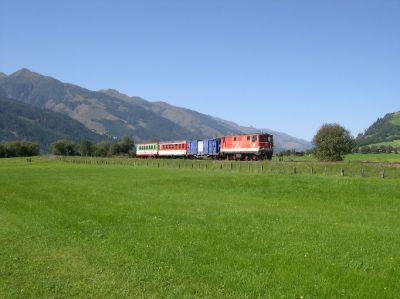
(247, 147)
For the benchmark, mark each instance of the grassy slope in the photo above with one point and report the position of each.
(120, 231)
(395, 143)
(392, 158)
(396, 119)
(350, 158)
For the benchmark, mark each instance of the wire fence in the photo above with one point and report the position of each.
(345, 169)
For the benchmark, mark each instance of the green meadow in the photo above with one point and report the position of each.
(109, 228)
(382, 157)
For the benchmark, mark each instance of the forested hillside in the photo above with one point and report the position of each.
(386, 129)
(22, 121)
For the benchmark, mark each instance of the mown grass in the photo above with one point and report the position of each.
(95, 230)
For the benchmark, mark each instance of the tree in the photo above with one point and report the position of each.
(63, 147)
(2, 151)
(382, 148)
(374, 149)
(124, 147)
(86, 147)
(102, 149)
(365, 149)
(331, 142)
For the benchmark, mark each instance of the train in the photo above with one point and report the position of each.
(247, 147)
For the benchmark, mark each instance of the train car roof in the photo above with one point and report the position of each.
(247, 134)
(173, 141)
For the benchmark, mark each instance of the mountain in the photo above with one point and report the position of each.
(96, 110)
(22, 121)
(208, 125)
(384, 130)
(200, 125)
(115, 114)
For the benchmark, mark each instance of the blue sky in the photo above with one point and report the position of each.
(285, 65)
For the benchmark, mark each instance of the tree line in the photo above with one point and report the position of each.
(65, 147)
(87, 148)
(18, 148)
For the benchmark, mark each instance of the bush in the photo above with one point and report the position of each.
(365, 150)
(102, 149)
(63, 147)
(124, 147)
(331, 142)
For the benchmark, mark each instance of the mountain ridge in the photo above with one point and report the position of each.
(115, 114)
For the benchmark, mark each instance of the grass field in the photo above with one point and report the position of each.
(105, 230)
(390, 158)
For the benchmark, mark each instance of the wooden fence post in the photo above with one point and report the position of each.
(312, 170)
(362, 173)
(382, 174)
(294, 170)
(341, 172)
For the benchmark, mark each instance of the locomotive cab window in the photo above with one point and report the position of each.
(254, 138)
(248, 138)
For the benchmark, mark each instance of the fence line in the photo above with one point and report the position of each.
(343, 169)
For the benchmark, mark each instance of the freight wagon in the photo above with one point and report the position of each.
(203, 148)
